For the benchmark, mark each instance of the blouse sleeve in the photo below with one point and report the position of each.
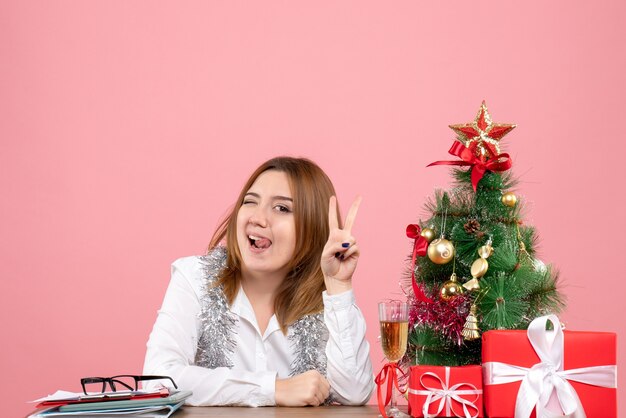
(172, 345)
(349, 369)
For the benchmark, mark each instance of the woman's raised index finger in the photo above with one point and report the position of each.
(352, 214)
(333, 222)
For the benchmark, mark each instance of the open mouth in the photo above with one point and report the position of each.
(259, 243)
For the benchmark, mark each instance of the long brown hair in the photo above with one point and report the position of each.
(301, 291)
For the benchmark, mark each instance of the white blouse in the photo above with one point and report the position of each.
(258, 359)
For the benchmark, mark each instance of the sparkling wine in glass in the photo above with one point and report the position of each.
(393, 337)
(394, 330)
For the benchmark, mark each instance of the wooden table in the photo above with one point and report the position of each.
(320, 411)
(278, 412)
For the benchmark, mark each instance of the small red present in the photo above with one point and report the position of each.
(441, 391)
(549, 372)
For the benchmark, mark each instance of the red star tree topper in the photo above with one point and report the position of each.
(482, 135)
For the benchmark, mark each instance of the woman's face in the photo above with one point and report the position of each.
(266, 229)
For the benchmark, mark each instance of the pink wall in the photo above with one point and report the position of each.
(127, 128)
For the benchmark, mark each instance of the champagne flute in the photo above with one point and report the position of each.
(394, 330)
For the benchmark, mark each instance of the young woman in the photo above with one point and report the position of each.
(268, 316)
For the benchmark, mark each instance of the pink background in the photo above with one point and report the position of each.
(127, 129)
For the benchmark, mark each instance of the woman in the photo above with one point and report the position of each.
(269, 317)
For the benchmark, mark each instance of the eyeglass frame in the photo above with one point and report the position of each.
(113, 379)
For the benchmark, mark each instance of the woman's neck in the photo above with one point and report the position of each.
(261, 284)
(261, 291)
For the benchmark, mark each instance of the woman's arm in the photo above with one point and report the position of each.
(172, 345)
(349, 369)
(349, 366)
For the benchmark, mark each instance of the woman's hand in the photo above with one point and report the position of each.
(341, 253)
(308, 388)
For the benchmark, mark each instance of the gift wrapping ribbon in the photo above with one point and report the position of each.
(445, 395)
(479, 166)
(389, 375)
(419, 248)
(540, 380)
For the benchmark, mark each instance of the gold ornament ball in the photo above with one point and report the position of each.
(428, 234)
(440, 251)
(509, 199)
(450, 290)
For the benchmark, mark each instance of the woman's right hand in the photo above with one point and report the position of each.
(308, 388)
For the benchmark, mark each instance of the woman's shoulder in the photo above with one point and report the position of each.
(188, 265)
(198, 269)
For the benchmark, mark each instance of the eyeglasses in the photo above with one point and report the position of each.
(129, 382)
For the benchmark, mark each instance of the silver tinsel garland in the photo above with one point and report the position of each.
(308, 336)
(217, 323)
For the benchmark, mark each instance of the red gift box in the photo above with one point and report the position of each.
(446, 391)
(556, 365)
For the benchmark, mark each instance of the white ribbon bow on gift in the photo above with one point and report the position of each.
(447, 395)
(548, 375)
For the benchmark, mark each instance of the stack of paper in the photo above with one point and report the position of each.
(158, 403)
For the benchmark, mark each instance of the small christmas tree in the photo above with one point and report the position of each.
(473, 265)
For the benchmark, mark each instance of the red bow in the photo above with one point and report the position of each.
(419, 248)
(389, 375)
(479, 166)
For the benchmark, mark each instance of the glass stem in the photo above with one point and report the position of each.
(392, 405)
